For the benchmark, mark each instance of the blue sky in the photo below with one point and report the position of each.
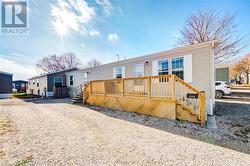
(101, 29)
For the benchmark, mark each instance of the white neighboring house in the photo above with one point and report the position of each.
(43, 85)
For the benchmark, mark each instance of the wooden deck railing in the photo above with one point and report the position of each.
(165, 87)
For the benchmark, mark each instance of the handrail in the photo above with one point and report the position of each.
(187, 84)
(158, 87)
(77, 89)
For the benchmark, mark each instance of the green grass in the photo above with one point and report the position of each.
(20, 95)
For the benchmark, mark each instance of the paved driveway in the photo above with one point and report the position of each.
(53, 132)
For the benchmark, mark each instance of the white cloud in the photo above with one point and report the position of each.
(94, 33)
(71, 15)
(19, 71)
(175, 34)
(120, 11)
(83, 45)
(106, 5)
(113, 37)
(16, 54)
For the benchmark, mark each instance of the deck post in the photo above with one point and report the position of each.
(104, 82)
(90, 87)
(203, 108)
(173, 86)
(122, 90)
(149, 87)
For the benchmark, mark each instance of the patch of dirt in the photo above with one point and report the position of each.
(233, 121)
(24, 161)
(6, 124)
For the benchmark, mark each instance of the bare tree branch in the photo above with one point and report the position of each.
(53, 63)
(93, 63)
(210, 25)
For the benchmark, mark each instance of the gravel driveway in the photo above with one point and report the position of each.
(54, 132)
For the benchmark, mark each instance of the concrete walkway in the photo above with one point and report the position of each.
(58, 133)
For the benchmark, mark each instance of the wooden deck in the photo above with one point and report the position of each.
(162, 96)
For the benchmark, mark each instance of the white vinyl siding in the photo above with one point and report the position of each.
(188, 68)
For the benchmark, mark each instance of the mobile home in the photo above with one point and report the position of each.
(194, 64)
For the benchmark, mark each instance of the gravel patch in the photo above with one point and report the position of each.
(59, 133)
(233, 122)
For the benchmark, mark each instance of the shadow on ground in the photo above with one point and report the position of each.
(47, 100)
(233, 121)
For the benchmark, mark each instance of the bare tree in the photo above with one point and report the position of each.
(244, 66)
(70, 60)
(53, 63)
(235, 72)
(211, 25)
(93, 63)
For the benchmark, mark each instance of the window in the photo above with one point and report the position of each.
(33, 82)
(58, 81)
(37, 82)
(118, 72)
(71, 80)
(217, 83)
(163, 67)
(178, 67)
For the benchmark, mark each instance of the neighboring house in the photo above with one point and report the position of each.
(194, 64)
(20, 85)
(43, 85)
(222, 72)
(5, 85)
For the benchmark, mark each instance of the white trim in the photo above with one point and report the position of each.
(114, 72)
(123, 72)
(5, 96)
(209, 106)
(85, 80)
(213, 75)
(188, 68)
(155, 68)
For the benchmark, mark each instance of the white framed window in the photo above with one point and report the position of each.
(71, 80)
(119, 72)
(139, 70)
(178, 67)
(163, 67)
(58, 81)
